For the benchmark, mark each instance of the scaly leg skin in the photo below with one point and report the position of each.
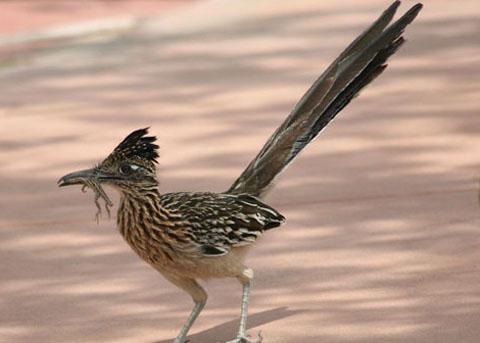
(193, 315)
(199, 297)
(246, 279)
(246, 340)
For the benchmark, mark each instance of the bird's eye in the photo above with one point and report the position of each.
(128, 168)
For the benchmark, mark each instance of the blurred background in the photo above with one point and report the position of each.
(382, 238)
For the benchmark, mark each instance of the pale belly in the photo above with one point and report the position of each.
(187, 263)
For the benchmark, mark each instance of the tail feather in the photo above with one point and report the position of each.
(359, 64)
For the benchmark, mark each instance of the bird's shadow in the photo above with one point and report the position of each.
(227, 331)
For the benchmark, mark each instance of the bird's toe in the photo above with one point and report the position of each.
(244, 339)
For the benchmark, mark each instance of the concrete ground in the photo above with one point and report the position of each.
(382, 238)
(23, 16)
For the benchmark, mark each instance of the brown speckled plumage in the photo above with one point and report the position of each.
(184, 233)
(191, 236)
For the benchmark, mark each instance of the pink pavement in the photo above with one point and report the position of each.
(382, 239)
(27, 15)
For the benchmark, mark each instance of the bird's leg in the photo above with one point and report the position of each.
(191, 319)
(246, 280)
(199, 297)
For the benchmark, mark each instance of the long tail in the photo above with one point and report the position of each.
(359, 64)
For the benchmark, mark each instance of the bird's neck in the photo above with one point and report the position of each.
(135, 202)
(147, 193)
(137, 212)
(137, 205)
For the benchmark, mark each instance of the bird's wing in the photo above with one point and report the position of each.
(214, 223)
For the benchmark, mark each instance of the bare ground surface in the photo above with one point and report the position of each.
(382, 239)
(17, 16)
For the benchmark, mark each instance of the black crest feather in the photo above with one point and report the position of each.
(137, 144)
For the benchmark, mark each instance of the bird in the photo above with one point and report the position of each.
(189, 237)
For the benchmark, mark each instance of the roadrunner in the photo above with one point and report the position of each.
(189, 237)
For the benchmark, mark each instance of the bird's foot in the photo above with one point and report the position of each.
(244, 339)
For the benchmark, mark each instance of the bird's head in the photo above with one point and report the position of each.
(129, 167)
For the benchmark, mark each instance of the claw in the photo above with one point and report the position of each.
(99, 208)
(99, 193)
(246, 340)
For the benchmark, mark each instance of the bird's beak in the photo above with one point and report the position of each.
(78, 177)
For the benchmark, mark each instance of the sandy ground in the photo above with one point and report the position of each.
(19, 16)
(382, 239)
